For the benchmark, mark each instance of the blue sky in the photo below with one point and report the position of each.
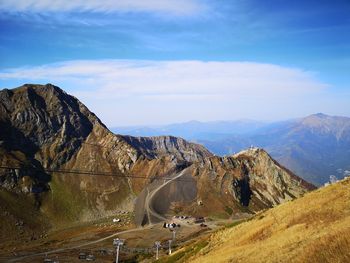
(286, 53)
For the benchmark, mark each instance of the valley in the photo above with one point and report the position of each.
(70, 186)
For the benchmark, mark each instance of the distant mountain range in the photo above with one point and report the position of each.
(195, 130)
(313, 147)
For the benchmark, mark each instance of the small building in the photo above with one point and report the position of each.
(199, 220)
(82, 255)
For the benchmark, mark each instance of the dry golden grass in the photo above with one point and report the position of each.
(314, 228)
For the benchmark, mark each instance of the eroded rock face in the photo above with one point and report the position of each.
(37, 117)
(223, 187)
(159, 146)
(271, 182)
(250, 180)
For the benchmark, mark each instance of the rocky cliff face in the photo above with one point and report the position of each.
(222, 187)
(248, 181)
(160, 146)
(44, 119)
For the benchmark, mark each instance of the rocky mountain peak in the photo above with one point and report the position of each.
(252, 178)
(252, 152)
(54, 129)
(159, 146)
(34, 117)
(324, 125)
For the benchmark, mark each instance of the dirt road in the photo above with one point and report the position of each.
(153, 217)
(17, 259)
(150, 195)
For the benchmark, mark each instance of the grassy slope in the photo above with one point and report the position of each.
(314, 228)
(15, 209)
(63, 204)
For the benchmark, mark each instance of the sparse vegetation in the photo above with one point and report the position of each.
(219, 216)
(19, 218)
(185, 253)
(235, 223)
(228, 210)
(314, 228)
(65, 205)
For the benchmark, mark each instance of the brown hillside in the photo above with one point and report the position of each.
(314, 228)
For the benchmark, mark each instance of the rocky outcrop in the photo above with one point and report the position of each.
(248, 181)
(34, 118)
(159, 146)
(221, 187)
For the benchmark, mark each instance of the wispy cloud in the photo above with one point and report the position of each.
(165, 91)
(164, 77)
(175, 7)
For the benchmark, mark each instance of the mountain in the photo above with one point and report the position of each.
(43, 128)
(59, 164)
(313, 228)
(223, 187)
(194, 130)
(251, 177)
(313, 147)
(316, 147)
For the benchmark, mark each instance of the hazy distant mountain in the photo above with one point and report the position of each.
(195, 130)
(313, 147)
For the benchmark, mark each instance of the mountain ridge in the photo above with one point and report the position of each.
(313, 147)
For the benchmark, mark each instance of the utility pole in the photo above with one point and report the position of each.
(174, 234)
(169, 241)
(118, 243)
(157, 244)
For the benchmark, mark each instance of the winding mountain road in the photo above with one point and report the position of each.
(150, 195)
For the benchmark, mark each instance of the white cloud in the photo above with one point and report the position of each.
(176, 7)
(143, 92)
